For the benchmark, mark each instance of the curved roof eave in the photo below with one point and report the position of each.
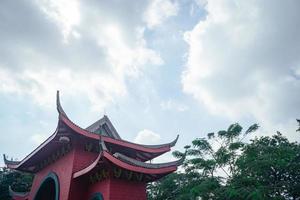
(170, 167)
(88, 168)
(10, 163)
(148, 165)
(124, 143)
(64, 118)
(146, 148)
(139, 169)
(18, 164)
(170, 144)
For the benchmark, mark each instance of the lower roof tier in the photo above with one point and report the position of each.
(119, 163)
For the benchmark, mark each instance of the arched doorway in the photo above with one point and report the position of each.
(97, 196)
(49, 188)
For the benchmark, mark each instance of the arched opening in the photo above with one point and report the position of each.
(49, 188)
(97, 196)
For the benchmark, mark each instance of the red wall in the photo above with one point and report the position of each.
(63, 169)
(127, 190)
(82, 158)
(116, 189)
(79, 188)
(102, 187)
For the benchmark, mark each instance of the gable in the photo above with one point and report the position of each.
(104, 127)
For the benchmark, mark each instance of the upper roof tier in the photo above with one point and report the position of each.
(107, 131)
(101, 129)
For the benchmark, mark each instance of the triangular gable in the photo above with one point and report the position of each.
(104, 127)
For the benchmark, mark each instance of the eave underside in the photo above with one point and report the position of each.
(152, 171)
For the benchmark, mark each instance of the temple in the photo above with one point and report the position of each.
(92, 163)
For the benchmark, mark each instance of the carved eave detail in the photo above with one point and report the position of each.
(10, 163)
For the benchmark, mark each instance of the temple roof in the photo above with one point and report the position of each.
(154, 170)
(104, 127)
(138, 163)
(110, 135)
(10, 162)
(100, 130)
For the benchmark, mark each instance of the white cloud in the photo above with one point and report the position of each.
(173, 105)
(100, 88)
(105, 50)
(147, 137)
(64, 12)
(241, 60)
(126, 59)
(37, 139)
(160, 10)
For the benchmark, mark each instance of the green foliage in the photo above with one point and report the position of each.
(19, 182)
(252, 128)
(174, 186)
(206, 189)
(202, 145)
(177, 154)
(233, 131)
(235, 146)
(224, 167)
(274, 165)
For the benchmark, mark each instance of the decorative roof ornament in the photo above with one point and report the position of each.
(58, 105)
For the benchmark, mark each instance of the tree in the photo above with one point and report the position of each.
(174, 186)
(205, 158)
(214, 158)
(224, 167)
(20, 182)
(269, 168)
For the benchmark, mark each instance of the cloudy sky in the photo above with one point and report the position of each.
(157, 68)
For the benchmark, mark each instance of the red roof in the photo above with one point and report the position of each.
(111, 138)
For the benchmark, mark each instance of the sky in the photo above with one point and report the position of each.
(157, 68)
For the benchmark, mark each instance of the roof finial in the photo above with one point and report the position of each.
(4, 158)
(172, 144)
(57, 100)
(58, 105)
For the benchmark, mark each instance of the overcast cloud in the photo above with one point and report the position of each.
(79, 47)
(243, 60)
(157, 68)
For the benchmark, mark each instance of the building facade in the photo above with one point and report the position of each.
(94, 163)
